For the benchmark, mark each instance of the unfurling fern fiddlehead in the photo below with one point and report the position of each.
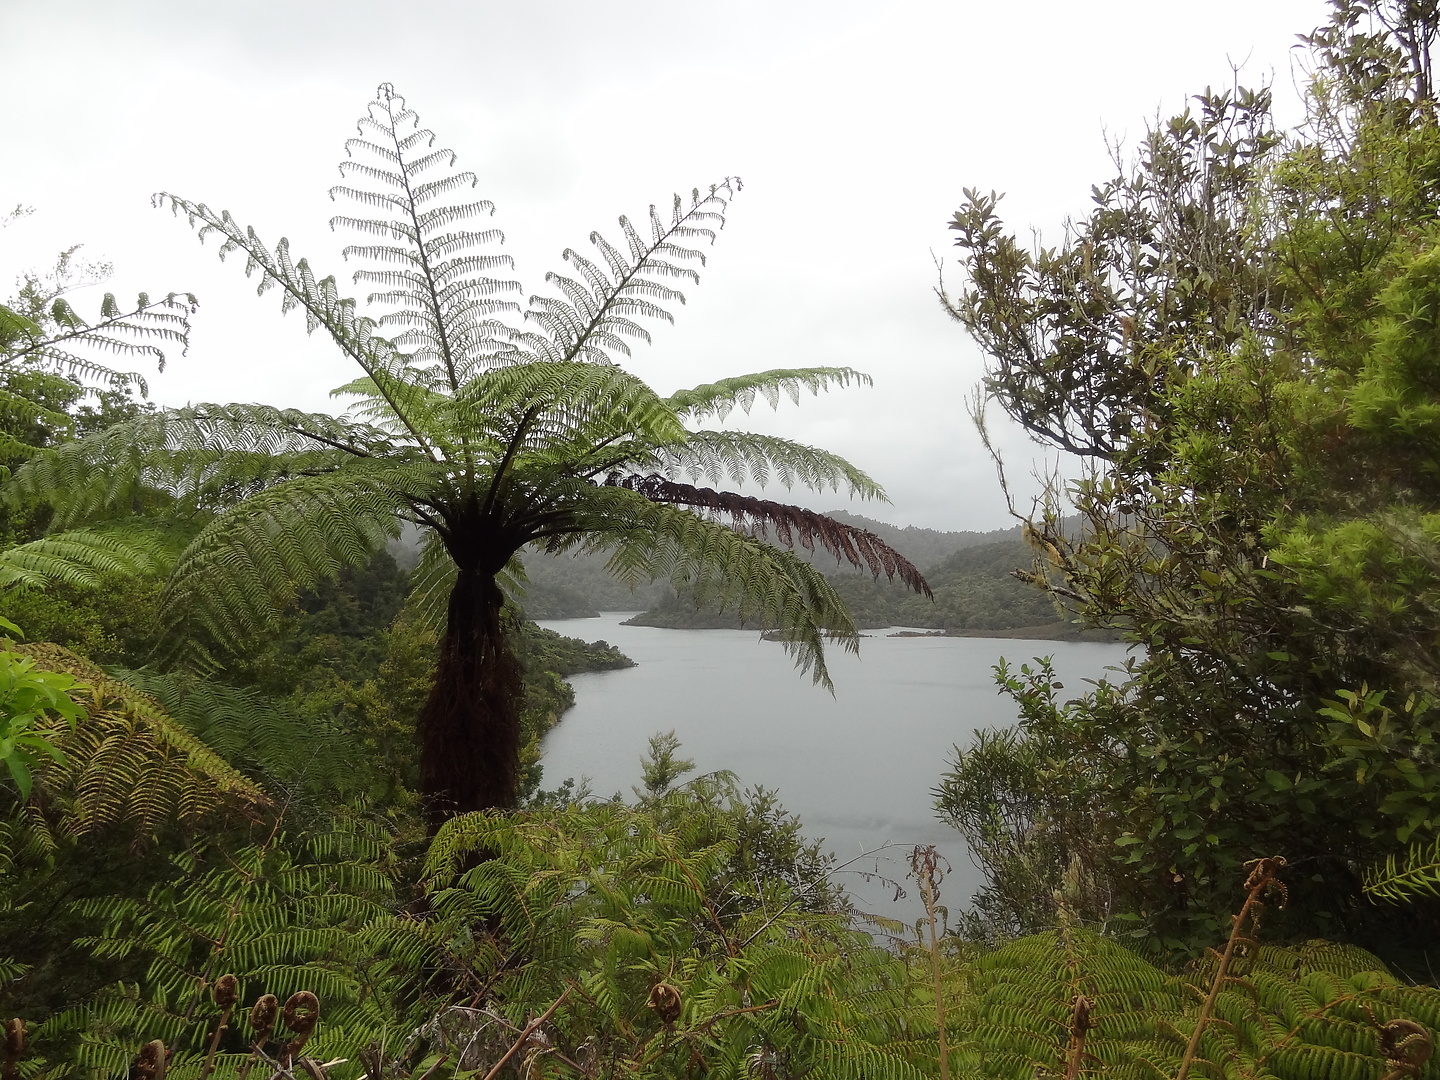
(1263, 879)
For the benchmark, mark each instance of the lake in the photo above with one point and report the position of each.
(857, 767)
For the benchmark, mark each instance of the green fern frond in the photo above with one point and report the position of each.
(252, 732)
(234, 580)
(392, 399)
(569, 401)
(597, 310)
(139, 333)
(611, 900)
(204, 454)
(1403, 879)
(130, 763)
(17, 327)
(319, 299)
(10, 970)
(715, 565)
(430, 584)
(21, 410)
(282, 916)
(140, 547)
(743, 456)
(721, 398)
(1290, 1017)
(432, 276)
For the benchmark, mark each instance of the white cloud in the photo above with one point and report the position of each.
(855, 126)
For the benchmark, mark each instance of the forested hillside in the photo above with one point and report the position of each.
(574, 586)
(976, 594)
(577, 586)
(976, 591)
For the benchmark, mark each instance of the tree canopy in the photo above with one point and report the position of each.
(1240, 338)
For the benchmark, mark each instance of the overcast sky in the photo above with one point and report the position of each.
(854, 126)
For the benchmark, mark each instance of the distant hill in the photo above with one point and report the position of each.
(975, 593)
(578, 587)
(969, 572)
(924, 547)
(975, 596)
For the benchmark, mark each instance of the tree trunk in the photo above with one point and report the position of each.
(469, 728)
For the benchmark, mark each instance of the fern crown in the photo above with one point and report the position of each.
(490, 422)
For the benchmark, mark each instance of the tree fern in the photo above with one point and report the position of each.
(489, 419)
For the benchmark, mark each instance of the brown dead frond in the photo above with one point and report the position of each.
(791, 524)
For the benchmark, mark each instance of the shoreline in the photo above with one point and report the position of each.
(1055, 631)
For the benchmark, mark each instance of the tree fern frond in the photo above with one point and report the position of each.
(22, 409)
(235, 578)
(744, 456)
(83, 367)
(719, 399)
(716, 565)
(282, 916)
(430, 584)
(598, 310)
(792, 524)
(138, 333)
(141, 547)
(1401, 880)
(1290, 1016)
(251, 731)
(200, 454)
(129, 762)
(562, 409)
(388, 400)
(319, 299)
(621, 903)
(442, 296)
(15, 326)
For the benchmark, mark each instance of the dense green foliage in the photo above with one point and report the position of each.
(1241, 337)
(689, 934)
(34, 706)
(975, 591)
(576, 585)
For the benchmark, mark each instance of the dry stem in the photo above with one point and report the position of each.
(1259, 881)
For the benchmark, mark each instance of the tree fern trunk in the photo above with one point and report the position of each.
(470, 726)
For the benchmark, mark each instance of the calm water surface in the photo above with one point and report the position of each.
(857, 767)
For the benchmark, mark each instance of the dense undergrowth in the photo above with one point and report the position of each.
(691, 932)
